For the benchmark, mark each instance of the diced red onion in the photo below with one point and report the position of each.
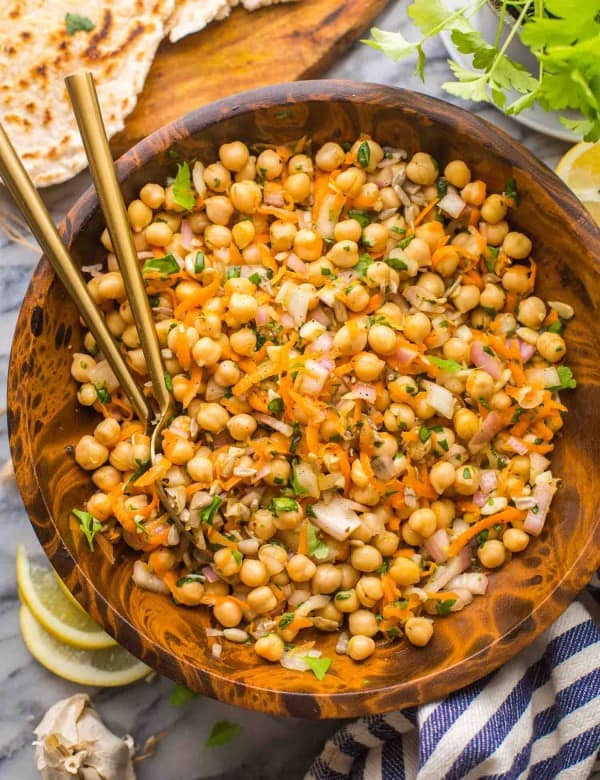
(274, 199)
(527, 350)
(488, 480)
(473, 582)
(210, 574)
(543, 493)
(262, 315)
(479, 498)
(287, 320)
(410, 497)
(454, 567)
(538, 463)
(145, 255)
(437, 545)
(274, 423)
(323, 343)
(363, 392)
(294, 263)
(341, 646)
(336, 518)
(314, 377)
(320, 316)
(486, 362)
(441, 399)
(187, 235)
(516, 446)
(317, 601)
(492, 424)
(452, 204)
(405, 355)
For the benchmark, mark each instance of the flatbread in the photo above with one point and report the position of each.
(36, 53)
(191, 16)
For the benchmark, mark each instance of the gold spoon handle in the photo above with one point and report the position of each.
(40, 222)
(84, 99)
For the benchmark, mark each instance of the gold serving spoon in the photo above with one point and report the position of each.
(87, 112)
(29, 202)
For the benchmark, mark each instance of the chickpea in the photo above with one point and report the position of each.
(515, 540)
(422, 169)
(228, 613)
(326, 579)
(282, 235)
(243, 342)
(200, 469)
(212, 417)
(217, 237)
(262, 600)
(90, 454)
(270, 647)
(100, 506)
(181, 451)
(122, 457)
(380, 274)
(360, 647)
(279, 473)
(442, 476)
(492, 297)
(404, 571)
(241, 426)
(458, 174)
(366, 558)
(466, 298)
(532, 312)
(153, 195)
(466, 424)
(356, 298)
(344, 254)
(474, 193)
(106, 478)
(243, 233)
(368, 367)
(234, 155)
(140, 216)
(298, 186)
(418, 250)
(81, 366)
(217, 177)
(386, 542)
(494, 234)
(382, 339)
(300, 163)
(389, 198)
(219, 209)
(206, 352)
(350, 338)
(363, 621)
(494, 209)
(89, 343)
(270, 164)
(457, 349)
(444, 511)
(358, 474)
(300, 568)
(375, 236)
(375, 154)
(226, 563)
(417, 327)
(517, 245)
(369, 591)
(398, 417)
(246, 196)
(330, 156)
(253, 573)
(491, 554)
(480, 385)
(365, 495)
(419, 631)
(467, 480)
(242, 307)
(351, 180)
(516, 279)
(551, 346)
(158, 234)
(347, 230)
(111, 286)
(308, 244)
(227, 374)
(423, 522)
(346, 601)
(500, 401)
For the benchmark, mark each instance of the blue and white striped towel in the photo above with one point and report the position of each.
(537, 717)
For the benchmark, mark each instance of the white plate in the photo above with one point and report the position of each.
(546, 122)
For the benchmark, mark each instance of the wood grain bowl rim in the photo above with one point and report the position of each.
(355, 702)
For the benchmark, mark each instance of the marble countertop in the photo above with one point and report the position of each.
(268, 747)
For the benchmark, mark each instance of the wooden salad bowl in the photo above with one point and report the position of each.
(524, 597)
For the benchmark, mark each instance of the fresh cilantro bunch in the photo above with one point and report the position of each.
(562, 35)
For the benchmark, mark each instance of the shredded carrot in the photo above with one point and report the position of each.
(424, 212)
(199, 298)
(154, 474)
(264, 371)
(509, 515)
(302, 548)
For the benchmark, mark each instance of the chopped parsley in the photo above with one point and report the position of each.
(557, 327)
(360, 216)
(168, 381)
(76, 23)
(466, 473)
(482, 537)
(364, 261)
(282, 504)
(89, 525)
(396, 263)
(222, 733)
(567, 380)
(363, 156)
(103, 394)
(143, 466)
(189, 578)
(234, 272)
(180, 695)
(275, 405)
(490, 262)
(162, 265)
(296, 437)
(442, 188)
(286, 619)
(510, 190)
(318, 666)
(316, 547)
(255, 278)
(424, 434)
(208, 513)
(199, 262)
(449, 366)
(444, 607)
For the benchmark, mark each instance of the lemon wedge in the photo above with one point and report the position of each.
(580, 170)
(59, 614)
(110, 667)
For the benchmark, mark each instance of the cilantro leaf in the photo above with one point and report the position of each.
(316, 547)
(208, 513)
(567, 380)
(222, 733)
(360, 216)
(89, 525)
(275, 405)
(449, 366)
(168, 381)
(162, 265)
(363, 156)
(103, 394)
(180, 695)
(286, 619)
(76, 23)
(283, 504)
(319, 666)
(182, 187)
(364, 261)
(444, 607)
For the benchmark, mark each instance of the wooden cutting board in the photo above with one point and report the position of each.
(279, 43)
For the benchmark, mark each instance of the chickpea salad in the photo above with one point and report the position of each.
(367, 394)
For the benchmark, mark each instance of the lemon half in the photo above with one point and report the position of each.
(580, 170)
(59, 614)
